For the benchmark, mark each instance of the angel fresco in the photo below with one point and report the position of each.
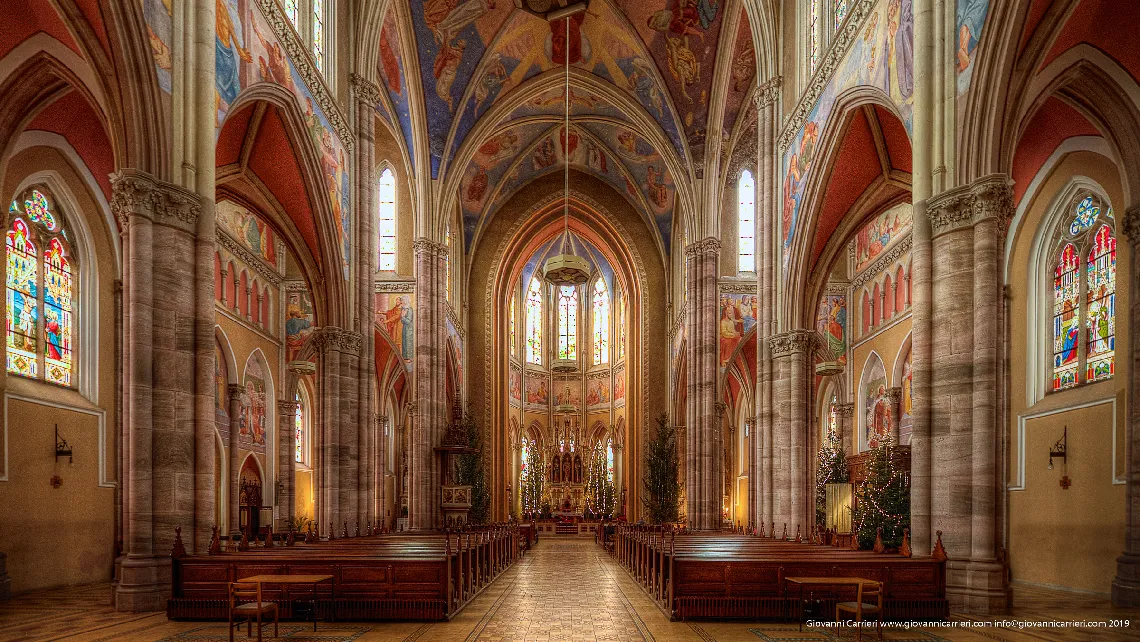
(228, 49)
(446, 68)
(655, 186)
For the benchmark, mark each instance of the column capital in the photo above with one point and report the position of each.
(136, 194)
(365, 90)
(424, 246)
(989, 197)
(767, 92)
(844, 409)
(793, 342)
(707, 245)
(1130, 225)
(287, 408)
(333, 339)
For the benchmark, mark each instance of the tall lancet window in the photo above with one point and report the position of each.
(301, 446)
(838, 12)
(41, 307)
(292, 11)
(1084, 309)
(601, 322)
(319, 33)
(746, 223)
(386, 220)
(514, 325)
(568, 322)
(814, 44)
(534, 322)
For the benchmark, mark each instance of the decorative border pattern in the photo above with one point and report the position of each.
(315, 82)
(454, 318)
(398, 287)
(249, 258)
(736, 287)
(881, 263)
(836, 288)
(840, 44)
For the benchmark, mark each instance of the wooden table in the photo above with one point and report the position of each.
(312, 580)
(824, 581)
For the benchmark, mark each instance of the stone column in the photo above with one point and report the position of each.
(287, 459)
(237, 404)
(703, 484)
(167, 443)
(791, 355)
(431, 416)
(619, 471)
(894, 403)
(383, 425)
(844, 413)
(338, 389)
(1126, 584)
(760, 475)
(968, 226)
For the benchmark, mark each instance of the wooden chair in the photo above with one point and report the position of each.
(872, 591)
(245, 601)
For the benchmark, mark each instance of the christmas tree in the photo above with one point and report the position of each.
(832, 470)
(883, 500)
(662, 489)
(471, 473)
(533, 479)
(600, 496)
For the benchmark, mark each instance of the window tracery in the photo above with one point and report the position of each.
(534, 322)
(568, 322)
(601, 301)
(746, 223)
(386, 221)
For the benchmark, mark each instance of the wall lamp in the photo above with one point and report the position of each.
(1059, 451)
(62, 448)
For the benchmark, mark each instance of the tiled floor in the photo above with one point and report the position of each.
(565, 589)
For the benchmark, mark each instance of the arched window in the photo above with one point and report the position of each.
(34, 228)
(292, 12)
(386, 220)
(514, 325)
(610, 460)
(1086, 241)
(525, 457)
(815, 44)
(534, 322)
(319, 35)
(746, 223)
(838, 13)
(300, 430)
(601, 322)
(568, 322)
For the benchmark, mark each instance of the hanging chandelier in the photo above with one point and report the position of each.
(567, 268)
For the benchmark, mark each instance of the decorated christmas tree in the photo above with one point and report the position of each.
(532, 482)
(832, 470)
(600, 496)
(883, 500)
(662, 489)
(472, 473)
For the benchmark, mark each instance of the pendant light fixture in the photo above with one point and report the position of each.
(566, 268)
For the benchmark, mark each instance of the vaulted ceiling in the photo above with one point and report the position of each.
(491, 95)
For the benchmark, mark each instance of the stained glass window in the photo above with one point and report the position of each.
(601, 322)
(386, 222)
(292, 11)
(1085, 305)
(525, 457)
(41, 305)
(746, 223)
(319, 34)
(610, 460)
(568, 322)
(514, 326)
(534, 322)
(619, 305)
(813, 35)
(1102, 306)
(299, 430)
(839, 12)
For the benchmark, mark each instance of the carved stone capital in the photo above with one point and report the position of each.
(365, 90)
(136, 194)
(257, 263)
(1130, 225)
(793, 342)
(428, 248)
(705, 246)
(844, 409)
(965, 206)
(332, 339)
(721, 409)
(767, 92)
(287, 408)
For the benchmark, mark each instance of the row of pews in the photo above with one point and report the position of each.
(698, 575)
(392, 576)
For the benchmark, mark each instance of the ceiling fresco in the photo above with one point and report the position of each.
(395, 80)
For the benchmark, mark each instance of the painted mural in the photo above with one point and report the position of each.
(537, 392)
(743, 73)
(906, 420)
(876, 236)
(738, 314)
(249, 230)
(254, 418)
(467, 62)
(876, 408)
(515, 388)
(971, 19)
(160, 29)
(395, 82)
(831, 322)
(247, 52)
(396, 313)
(568, 391)
(551, 102)
(881, 56)
(299, 321)
(619, 387)
(598, 393)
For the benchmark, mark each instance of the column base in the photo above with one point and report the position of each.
(1126, 584)
(5, 579)
(144, 584)
(978, 587)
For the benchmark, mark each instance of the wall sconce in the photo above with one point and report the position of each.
(1059, 451)
(62, 448)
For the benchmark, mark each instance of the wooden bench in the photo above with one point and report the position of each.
(375, 577)
(725, 576)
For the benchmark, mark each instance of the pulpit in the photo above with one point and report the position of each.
(456, 498)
